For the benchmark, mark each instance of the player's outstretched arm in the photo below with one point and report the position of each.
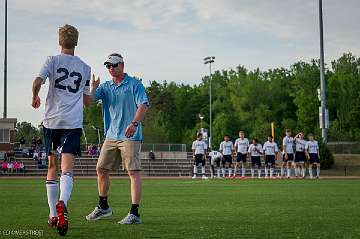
(35, 90)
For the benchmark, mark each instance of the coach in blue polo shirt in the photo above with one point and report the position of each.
(124, 103)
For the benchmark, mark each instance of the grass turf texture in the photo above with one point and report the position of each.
(195, 209)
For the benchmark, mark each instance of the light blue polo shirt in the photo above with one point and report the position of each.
(120, 103)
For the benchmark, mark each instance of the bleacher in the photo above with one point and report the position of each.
(165, 164)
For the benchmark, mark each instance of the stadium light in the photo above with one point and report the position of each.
(201, 119)
(209, 60)
(322, 110)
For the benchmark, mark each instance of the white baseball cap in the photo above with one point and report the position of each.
(114, 58)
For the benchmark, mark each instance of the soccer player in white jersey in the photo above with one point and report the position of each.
(270, 150)
(255, 151)
(199, 148)
(288, 158)
(69, 91)
(313, 153)
(226, 148)
(215, 158)
(241, 147)
(300, 157)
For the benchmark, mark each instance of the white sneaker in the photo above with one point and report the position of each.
(204, 177)
(193, 177)
(98, 213)
(130, 219)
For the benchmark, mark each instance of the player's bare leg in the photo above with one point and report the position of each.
(103, 179)
(52, 188)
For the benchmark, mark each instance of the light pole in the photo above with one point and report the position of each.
(323, 110)
(209, 60)
(98, 132)
(5, 63)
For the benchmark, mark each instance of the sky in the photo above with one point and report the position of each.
(167, 40)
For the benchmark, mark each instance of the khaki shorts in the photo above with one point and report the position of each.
(114, 151)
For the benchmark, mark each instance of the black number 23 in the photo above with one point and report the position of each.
(66, 75)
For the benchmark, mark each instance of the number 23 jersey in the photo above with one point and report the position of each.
(69, 80)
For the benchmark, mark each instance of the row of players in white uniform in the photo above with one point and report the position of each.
(306, 155)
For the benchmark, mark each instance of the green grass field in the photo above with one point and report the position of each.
(195, 209)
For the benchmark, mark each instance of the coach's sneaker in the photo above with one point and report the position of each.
(62, 221)
(99, 213)
(52, 221)
(130, 219)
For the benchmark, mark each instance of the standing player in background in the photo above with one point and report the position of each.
(69, 91)
(313, 153)
(288, 158)
(270, 150)
(226, 148)
(241, 147)
(214, 158)
(199, 148)
(300, 156)
(255, 151)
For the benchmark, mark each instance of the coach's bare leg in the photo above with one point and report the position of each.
(103, 181)
(136, 184)
(66, 179)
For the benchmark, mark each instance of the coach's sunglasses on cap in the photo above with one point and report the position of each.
(109, 65)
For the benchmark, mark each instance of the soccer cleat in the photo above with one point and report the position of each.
(62, 221)
(130, 219)
(99, 213)
(194, 177)
(204, 177)
(52, 221)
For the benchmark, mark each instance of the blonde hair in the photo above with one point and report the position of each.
(68, 36)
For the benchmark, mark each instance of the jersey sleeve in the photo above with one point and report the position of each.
(193, 146)
(249, 149)
(221, 147)
(276, 148)
(45, 70)
(284, 142)
(87, 81)
(205, 145)
(307, 146)
(140, 95)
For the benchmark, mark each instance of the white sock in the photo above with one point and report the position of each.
(218, 173)
(318, 171)
(252, 172)
(288, 172)
(195, 170)
(303, 171)
(52, 188)
(203, 170)
(235, 171)
(66, 185)
(266, 172)
(243, 171)
(230, 172)
(223, 172)
(259, 172)
(282, 172)
(310, 172)
(271, 172)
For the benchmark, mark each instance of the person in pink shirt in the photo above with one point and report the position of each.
(16, 166)
(4, 167)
